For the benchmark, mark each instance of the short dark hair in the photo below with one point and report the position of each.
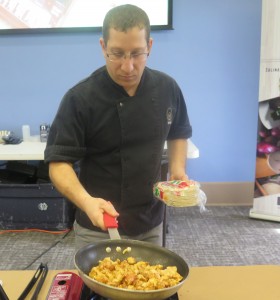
(125, 17)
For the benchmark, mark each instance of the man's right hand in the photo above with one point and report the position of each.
(95, 207)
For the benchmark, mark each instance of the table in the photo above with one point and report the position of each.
(23, 151)
(203, 283)
(35, 151)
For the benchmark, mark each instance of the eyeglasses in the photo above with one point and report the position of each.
(120, 57)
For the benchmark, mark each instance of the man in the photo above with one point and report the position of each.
(114, 123)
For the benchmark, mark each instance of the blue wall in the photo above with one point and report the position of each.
(213, 53)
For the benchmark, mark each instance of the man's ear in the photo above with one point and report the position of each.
(103, 46)
(150, 45)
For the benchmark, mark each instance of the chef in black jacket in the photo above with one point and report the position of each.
(114, 124)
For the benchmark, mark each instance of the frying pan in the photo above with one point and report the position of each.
(89, 256)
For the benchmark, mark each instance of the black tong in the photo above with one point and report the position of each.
(3, 295)
(41, 273)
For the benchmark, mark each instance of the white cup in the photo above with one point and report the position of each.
(26, 133)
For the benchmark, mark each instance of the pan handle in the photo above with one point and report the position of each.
(109, 221)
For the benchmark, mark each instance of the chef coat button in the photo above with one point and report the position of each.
(121, 104)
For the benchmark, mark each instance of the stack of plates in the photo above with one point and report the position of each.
(179, 193)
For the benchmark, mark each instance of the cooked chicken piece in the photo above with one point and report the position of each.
(133, 275)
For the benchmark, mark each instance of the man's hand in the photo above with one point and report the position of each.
(95, 207)
(182, 177)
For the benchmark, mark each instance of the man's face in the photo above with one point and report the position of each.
(126, 55)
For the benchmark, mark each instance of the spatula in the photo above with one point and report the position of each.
(112, 225)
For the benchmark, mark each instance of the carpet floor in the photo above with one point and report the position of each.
(220, 236)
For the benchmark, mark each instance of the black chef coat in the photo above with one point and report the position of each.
(118, 141)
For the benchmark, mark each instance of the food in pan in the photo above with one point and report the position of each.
(119, 249)
(177, 193)
(127, 250)
(133, 275)
(108, 249)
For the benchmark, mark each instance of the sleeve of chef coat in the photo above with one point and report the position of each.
(66, 140)
(180, 127)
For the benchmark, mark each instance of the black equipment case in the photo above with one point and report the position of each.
(34, 206)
